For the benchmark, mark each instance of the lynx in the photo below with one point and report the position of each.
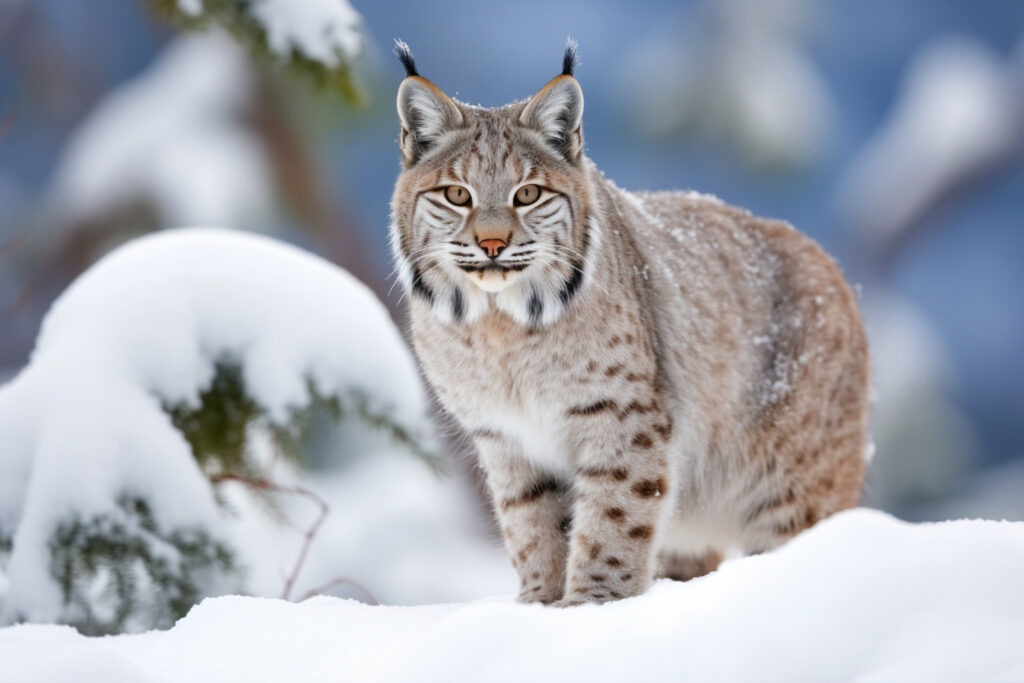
(653, 381)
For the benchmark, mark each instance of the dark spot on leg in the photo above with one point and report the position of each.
(615, 514)
(626, 577)
(641, 532)
(613, 370)
(642, 440)
(595, 550)
(648, 488)
(594, 408)
(618, 474)
(534, 492)
(613, 562)
(636, 407)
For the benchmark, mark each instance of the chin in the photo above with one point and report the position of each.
(493, 280)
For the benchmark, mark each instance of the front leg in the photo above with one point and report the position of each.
(621, 488)
(533, 515)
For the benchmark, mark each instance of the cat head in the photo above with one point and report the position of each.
(492, 207)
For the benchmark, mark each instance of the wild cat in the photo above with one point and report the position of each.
(652, 380)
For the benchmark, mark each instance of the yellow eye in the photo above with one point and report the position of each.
(527, 194)
(457, 195)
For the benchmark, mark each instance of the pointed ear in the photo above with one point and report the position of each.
(556, 112)
(426, 114)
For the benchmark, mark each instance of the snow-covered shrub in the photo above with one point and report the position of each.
(123, 573)
(153, 375)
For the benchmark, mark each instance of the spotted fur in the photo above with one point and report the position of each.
(652, 380)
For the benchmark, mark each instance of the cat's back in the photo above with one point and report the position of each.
(751, 294)
(699, 247)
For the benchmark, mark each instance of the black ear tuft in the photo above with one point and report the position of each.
(569, 59)
(406, 58)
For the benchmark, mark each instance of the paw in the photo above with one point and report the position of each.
(577, 598)
(574, 601)
(546, 597)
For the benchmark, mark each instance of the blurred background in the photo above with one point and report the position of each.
(890, 132)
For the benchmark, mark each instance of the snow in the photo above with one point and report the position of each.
(324, 31)
(861, 596)
(174, 138)
(84, 422)
(957, 112)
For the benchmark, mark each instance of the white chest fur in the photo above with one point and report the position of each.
(539, 431)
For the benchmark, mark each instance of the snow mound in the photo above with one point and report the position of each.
(85, 422)
(861, 596)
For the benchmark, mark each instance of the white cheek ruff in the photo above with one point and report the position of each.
(403, 268)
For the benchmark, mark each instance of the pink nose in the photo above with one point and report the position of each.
(493, 247)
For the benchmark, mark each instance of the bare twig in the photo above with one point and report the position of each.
(14, 245)
(320, 590)
(23, 299)
(5, 123)
(310, 533)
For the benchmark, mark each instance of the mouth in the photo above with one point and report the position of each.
(493, 277)
(495, 268)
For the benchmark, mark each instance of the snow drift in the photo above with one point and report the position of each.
(861, 596)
